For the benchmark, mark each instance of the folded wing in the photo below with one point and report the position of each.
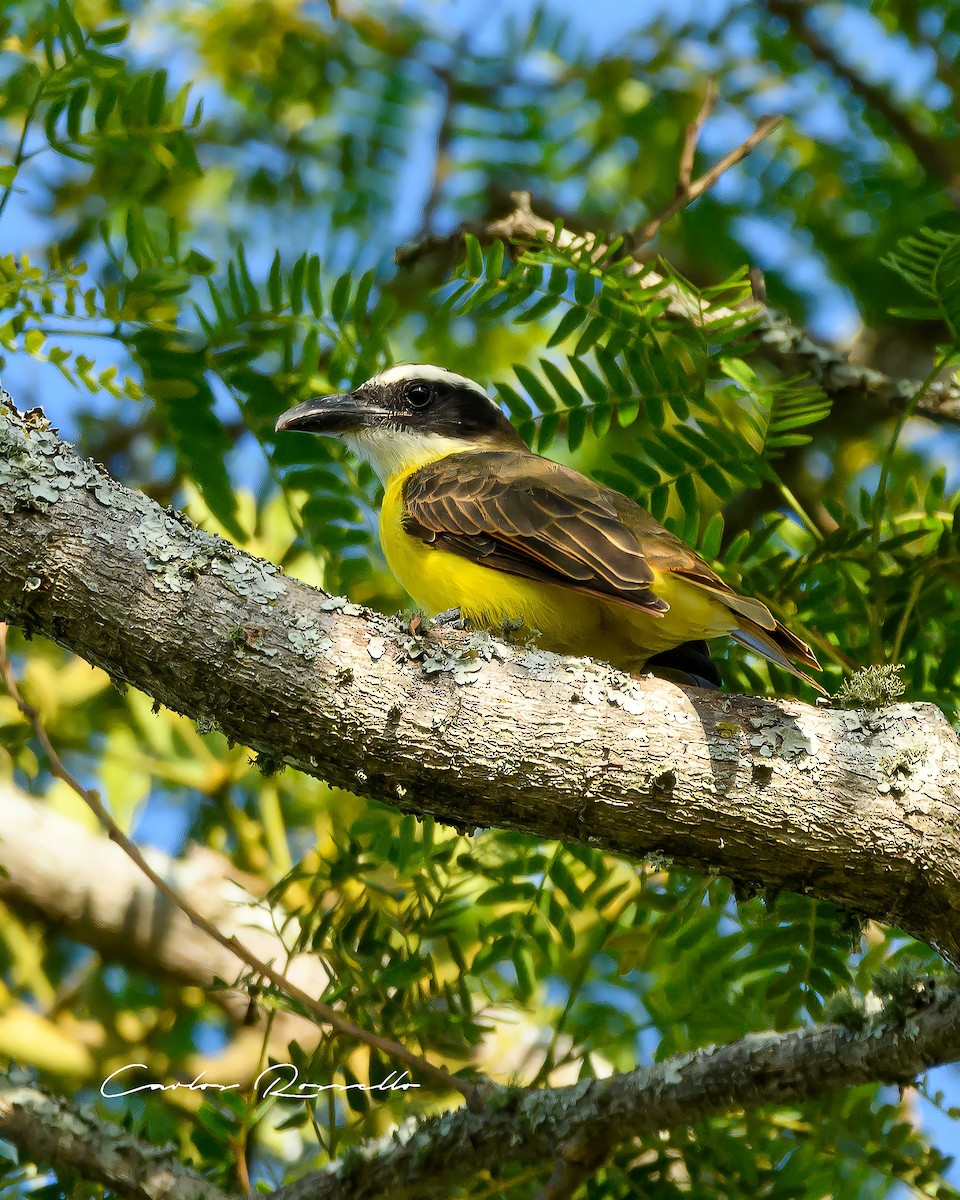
(502, 509)
(527, 516)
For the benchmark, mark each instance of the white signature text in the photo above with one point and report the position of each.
(281, 1081)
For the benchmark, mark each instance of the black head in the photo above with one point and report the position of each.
(411, 398)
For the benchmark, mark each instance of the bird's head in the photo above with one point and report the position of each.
(407, 416)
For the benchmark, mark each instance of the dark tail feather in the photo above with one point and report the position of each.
(775, 645)
(689, 665)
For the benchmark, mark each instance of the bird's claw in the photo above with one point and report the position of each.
(451, 619)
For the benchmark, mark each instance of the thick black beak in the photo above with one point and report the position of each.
(328, 414)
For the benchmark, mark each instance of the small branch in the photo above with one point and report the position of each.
(687, 192)
(20, 155)
(781, 343)
(318, 1010)
(48, 1131)
(931, 154)
(575, 1162)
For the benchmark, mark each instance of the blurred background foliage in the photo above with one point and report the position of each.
(199, 211)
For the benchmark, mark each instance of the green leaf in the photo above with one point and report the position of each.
(340, 298)
(568, 394)
(110, 35)
(584, 288)
(474, 259)
(75, 106)
(539, 309)
(275, 284)
(535, 389)
(314, 292)
(571, 321)
(297, 274)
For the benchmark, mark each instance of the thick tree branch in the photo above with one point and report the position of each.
(779, 341)
(859, 808)
(579, 1124)
(83, 885)
(47, 1130)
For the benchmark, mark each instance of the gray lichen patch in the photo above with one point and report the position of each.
(307, 639)
(607, 686)
(35, 469)
(250, 577)
(175, 557)
(462, 664)
(342, 605)
(794, 741)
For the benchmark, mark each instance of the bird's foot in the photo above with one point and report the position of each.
(451, 619)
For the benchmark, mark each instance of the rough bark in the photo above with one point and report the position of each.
(50, 1131)
(860, 808)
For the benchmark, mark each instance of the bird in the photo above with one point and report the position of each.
(474, 520)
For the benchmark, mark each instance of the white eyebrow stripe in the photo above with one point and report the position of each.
(404, 372)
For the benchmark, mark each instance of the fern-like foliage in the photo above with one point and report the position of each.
(929, 260)
(703, 423)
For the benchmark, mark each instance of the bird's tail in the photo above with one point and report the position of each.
(778, 645)
(690, 665)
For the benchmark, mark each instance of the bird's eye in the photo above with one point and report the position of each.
(419, 394)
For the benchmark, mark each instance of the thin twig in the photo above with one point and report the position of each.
(576, 1161)
(687, 192)
(321, 1012)
(880, 495)
(691, 138)
(20, 154)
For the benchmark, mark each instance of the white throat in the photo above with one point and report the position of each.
(396, 451)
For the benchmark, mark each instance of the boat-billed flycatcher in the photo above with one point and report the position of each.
(472, 519)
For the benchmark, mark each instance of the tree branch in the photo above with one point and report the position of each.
(578, 1125)
(931, 154)
(859, 808)
(759, 1069)
(687, 191)
(49, 1131)
(779, 341)
(86, 887)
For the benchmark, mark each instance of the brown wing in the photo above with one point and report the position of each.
(522, 514)
(527, 516)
